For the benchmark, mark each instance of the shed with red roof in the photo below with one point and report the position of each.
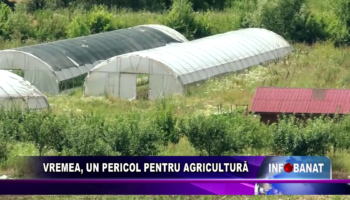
(270, 102)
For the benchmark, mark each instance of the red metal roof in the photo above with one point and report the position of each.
(301, 100)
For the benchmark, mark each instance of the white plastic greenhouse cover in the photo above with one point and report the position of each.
(14, 90)
(51, 67)
(172, 67)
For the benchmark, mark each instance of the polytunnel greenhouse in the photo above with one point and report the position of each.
(171, 68)
(61, 65)
(17, 92)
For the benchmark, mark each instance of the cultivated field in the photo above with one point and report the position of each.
(87, 126)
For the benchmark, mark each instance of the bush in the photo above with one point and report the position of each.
(78, 27)
(290, 18)
(340, 134)
(251, 133)
(4, 146)
(292, 137)
(212, 135)
(51, 26)
(341, 9)
(18, 25)
(181, 18)
(119, 134)
(99, 20)
(56, 126)
(38, 130)
(96, 21)
(166, 123)
(145, 141)
(204, 27)
(11, 123)
(5, 12)
(131, 135)
(85, 137)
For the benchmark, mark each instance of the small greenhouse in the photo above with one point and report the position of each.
(171, 68)
(61, 65)
(15, 91)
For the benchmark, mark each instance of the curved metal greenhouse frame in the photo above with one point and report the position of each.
(172, 67)
(57, 66)
(15, 91)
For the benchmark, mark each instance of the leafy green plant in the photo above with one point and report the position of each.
(11, 123)
(78, 27)
(5, 12)
(18, 24)
(290, 18)
(99, 20)
(211, 135)
(182, 18)
(295, 137)
(51, 26)
(36, 126)
(4, 146)
(166, 122)
(87, 140)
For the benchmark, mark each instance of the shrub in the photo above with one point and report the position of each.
(4, 146)
(5, 12)
(166, 123)
(341, 8)
(181, 18)
(96, 21)
(340, 134)
(18, 25)
(318, 134)
(51, 26)
(132, 135)
(251, 133)
(57, 125)
(99, 20)
(292, 137)
(145, 141)
(290, 18)
(36, 126)
(78, 27)
(204, 27)
(119, 133)
(85, 137)
(212, 135)
(11, 123)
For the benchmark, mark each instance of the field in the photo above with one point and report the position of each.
(85, 126)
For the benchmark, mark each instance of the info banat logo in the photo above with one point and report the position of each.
(292, 167)
(296, 167)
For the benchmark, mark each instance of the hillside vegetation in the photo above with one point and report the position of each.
(184, 125)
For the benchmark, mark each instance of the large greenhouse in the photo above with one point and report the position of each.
(17, 92)
(175, 66)
(57, 66)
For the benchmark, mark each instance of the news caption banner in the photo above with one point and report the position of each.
(183, 175)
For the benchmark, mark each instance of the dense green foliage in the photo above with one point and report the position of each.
(154, 5)
(293, 19)
(138, 133)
